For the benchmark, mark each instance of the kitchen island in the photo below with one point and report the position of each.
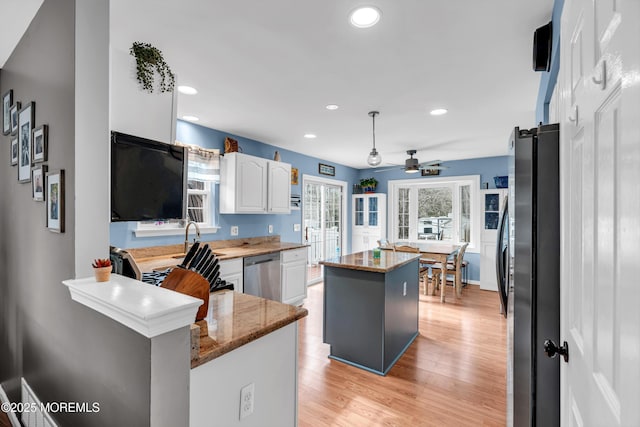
(371, 308)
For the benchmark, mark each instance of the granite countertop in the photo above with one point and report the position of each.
(162, 257)
(235, 319)
(364, 261)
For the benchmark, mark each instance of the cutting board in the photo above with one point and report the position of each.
(189, 283)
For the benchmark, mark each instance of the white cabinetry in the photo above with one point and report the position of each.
(294, 275)
(369, 221)
(278, 187)
(231, 270)
(250, 184)
(492, 201)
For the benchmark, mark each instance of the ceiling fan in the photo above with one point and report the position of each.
(412, 165)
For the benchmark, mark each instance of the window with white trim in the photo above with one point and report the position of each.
(445, 209)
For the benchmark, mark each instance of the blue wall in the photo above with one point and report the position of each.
(548, 79)
(249, 225)
(257, 225)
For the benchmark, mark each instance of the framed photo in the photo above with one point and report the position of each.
(38, 175)
(26, 118)
(39, 138)
(7, 101)
(55, 201)
(294, 176)
(326, 169)
(428, 172)
(13, 117)
(14, 150)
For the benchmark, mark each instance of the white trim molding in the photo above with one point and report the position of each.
(13, 418)
(148, 310)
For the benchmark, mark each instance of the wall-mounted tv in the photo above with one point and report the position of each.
(148, 179)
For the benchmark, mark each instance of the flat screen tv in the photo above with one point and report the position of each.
(148, 179)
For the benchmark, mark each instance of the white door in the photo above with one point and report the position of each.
(599, 84)
(279, 187)
(251, 184)
(323, 213)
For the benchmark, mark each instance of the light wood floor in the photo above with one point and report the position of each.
(453, 374)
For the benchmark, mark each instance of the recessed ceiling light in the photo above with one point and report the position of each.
(187, 90)
(190, 118)
(332, 107)
(365, 17)
(310, 135)
(438, 111)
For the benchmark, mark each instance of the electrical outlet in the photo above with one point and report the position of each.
(246, 400)
(296, 227)
(234, 230)
(404, 289)
(270, 228)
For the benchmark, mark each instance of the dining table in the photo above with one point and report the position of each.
(441, 252)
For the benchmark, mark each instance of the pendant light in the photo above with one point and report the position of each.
(374, 158)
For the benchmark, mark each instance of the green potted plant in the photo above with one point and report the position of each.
(369, 185)
(149, 61)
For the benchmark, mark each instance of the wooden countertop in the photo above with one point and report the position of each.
(150, 260)
(235, 319)
(364, 261)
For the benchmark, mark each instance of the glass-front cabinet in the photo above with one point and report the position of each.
(369, 221)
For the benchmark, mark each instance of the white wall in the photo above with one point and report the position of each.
(134, 111)
(270, 363)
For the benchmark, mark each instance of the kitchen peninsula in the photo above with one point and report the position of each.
(371, 308)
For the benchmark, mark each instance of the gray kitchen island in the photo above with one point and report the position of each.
(371, 308)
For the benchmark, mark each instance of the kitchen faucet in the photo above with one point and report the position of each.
(186, 235)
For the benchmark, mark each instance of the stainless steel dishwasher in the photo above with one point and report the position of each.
(262, 276)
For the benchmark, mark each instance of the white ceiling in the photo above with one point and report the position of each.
(266, 69)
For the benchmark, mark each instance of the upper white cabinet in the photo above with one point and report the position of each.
(492, 201)
(250, 184)
(279, 187)
(369, 221)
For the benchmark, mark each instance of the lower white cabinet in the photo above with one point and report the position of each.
(231, 270)
(293, 273)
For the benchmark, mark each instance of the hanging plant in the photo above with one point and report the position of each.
(149, 60)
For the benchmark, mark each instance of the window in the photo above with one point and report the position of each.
(436, 209)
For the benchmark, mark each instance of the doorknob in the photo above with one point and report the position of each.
(553, 350)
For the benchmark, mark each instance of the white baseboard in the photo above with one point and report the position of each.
(13, 418)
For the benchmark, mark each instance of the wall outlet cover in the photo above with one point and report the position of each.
(234, 230)
(270, 228)
(296, 227)
(246, 400)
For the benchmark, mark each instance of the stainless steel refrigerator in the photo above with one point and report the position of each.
(528, 270)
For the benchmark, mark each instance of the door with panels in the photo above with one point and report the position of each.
(599, 110)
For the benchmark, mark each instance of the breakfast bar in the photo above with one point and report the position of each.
(371, 308)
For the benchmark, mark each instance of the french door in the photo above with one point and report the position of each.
(324, 209)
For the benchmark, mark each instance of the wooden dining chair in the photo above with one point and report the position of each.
(454, 268)
(423, 273)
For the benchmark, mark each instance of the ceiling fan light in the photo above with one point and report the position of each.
(412, 170)
(374, 158)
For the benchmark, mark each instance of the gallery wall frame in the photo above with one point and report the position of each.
(7, 102)
(55, 201)
(26, 119)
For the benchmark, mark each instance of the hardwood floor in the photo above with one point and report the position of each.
(454, 374)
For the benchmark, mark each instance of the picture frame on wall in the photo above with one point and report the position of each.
(39, 139)
(294, 176)
(326, 169)
(26, 118)
(14, 150)
(55, 201)
(7, 101)
(427, 171)
(38, 175)
(13, 117)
